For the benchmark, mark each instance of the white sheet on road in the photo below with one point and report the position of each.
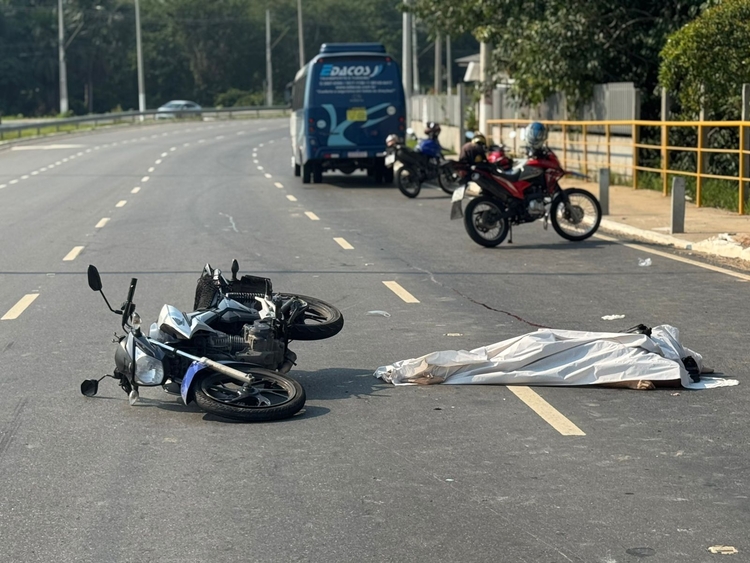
(558, 357)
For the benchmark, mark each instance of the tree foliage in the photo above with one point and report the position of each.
(566, 45)
(706, 62)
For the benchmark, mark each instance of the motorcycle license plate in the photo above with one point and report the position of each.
(356, 114)
(458, 195)
(390, 159)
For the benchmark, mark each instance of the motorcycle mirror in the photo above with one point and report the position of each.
(469, 135)
(95, 282)
(90, 387)
(235, 269)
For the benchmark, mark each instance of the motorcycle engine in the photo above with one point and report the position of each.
(535, 205)
(263, 348)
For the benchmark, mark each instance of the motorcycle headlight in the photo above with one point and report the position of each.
(148, 370)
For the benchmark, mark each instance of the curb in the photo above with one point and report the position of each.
(714, 246)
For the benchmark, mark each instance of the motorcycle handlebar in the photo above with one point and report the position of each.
(131, 290)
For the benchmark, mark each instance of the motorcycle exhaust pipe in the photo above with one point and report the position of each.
(290, 360)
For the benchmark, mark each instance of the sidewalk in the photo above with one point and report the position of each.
(646, 214)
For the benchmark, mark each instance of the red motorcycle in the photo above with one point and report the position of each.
(496, 155)
(529, 192)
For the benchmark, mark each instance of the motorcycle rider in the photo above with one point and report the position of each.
(475, 150)
(431, 146)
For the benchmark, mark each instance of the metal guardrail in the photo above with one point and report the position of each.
(10, 132)
(592, 143)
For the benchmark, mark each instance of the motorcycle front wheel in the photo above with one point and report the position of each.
(448, 178)
(320, 321)
(408, 182)
(271, 395)
(580, 218)
(484, 222)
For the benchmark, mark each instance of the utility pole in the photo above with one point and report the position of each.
(438, 63)
(269, 68)
(61, 57)
(139, 54)
(415, 55)
(300, 33)
(448, 65)
(406, 60)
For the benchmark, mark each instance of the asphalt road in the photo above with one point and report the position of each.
(368, 472)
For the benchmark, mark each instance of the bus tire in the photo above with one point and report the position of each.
(318, 173)
(388, 176)
(378, 176)
(306, 172)
(297, 170)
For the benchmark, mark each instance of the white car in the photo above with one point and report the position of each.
(183, 108)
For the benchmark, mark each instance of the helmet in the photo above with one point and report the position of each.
(536, 135)
(479, 139)
(432, 130)
(392, 140)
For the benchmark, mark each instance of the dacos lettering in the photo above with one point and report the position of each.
(361, 71)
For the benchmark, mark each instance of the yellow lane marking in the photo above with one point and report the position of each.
(342, 242)
(401, 292)
(121, 203)
(135, 190)
(73, 254)
(145, 179)
(312, 216)
(641, 248)
(102, 222)
(19, 307)
(549, 414)
(291, 198)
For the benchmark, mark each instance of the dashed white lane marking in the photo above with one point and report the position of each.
(2, 186)
(291, 198)
(145, 179)
(267, 175)
(102, 222)
(240, 132)
(13, 182)
(260, 168)
(219, 137)
(43, 169)
(73, 254)
(201, 140)
(744, 277)
(19, 307)
(164, 154)
(79, 154)
(65, 159)
(158, 161)
(35, 173)
(401, 292)
(342, 242)
(88, 150)
(312, 216)
(173, 149)
(121, 203)
(135, 190)
(279, 185)
(185, 144)
(260, 145)
(58, 163)
(25, 177)
(151, 169)
(549, 414)
(256, 161)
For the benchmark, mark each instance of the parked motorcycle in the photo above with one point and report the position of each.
(529, 192)
(417, 168)
(231, 357)
(496, 155)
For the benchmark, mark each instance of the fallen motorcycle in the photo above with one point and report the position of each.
(230, 356)
(530, 192)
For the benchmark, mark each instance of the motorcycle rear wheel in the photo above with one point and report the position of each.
(321, 320)
(272, 396)
(408, 182)
(580, 219)
(448, 179)
(483, 222)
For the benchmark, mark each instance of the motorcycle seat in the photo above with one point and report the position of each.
(512, 177)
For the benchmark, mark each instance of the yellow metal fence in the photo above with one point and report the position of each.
(618, 146)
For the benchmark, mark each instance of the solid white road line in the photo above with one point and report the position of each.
(291, 198)
(279, 185)
(401, 292)
(19, 307)
(135, 190)
(73, 254)
(102, 222)
(121, 203)
(676, 258)
(549, 414)
(312, 216)
(343, 243)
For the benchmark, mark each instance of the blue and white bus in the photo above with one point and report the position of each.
(345, 102)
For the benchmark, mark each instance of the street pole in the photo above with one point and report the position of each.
(61, 56)
(406, 70)
(415, 55)
(300, 33)
(448, 65)
(139, 55)
(269, 68)
(438, 64)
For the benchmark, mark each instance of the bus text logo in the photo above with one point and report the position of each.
(360, 71)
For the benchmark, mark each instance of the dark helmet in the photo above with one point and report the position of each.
(432, 130)
(536, 135)
(479, 139)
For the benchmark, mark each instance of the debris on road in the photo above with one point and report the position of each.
(563, 358)
(644, 261)
(379, 313)
(612, 317)
(723, 549)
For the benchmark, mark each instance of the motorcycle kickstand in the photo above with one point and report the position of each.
(510, 234)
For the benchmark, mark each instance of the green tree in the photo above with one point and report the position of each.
(706, 62)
